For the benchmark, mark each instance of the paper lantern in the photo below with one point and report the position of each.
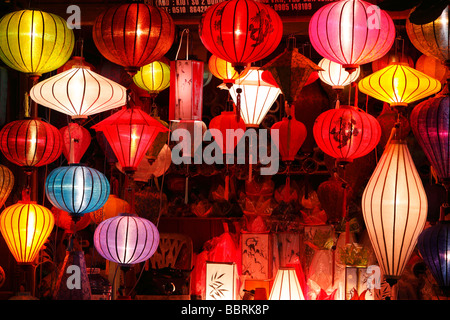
(223, 129)
(392, 57)
(186, 90)
(77, 189)
(64, 221)
(394, 206)
(222, 70)
(257, 96)
(346, 133)
(126, 239)
(133, 35)
(35, 42)
(351, 33)
(434, 247)
(240, 31)
(399, 85)
(286, 286)
(130, 132)
(222, 281)
(292, 133)
(30, 143)
(430, 123)
(6, 183)
(153, 77)
(79, 93)
(76, 62)
(112, 208)
(335, 75)
(333, 195)
(76, 140)
(25, 226)
(431, 38)
(432, 67)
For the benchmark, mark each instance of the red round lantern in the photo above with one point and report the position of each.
(133, 35)
(30, 143)
(227, 125)
(292, 133)
(240, 31)
(333, 196)
(76, 61)
(346, 133)
(76, 141)
(64, 221)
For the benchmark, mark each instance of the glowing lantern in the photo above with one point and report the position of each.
(286, 286)
(335, 75)
(223, 127)
(389, 58)
(240, 31)
(6, 183)
(223, 70)
(394, 205)
(76, 139)
(79, 93)
(112, 208)
(432, 67)
(292, 133)
(30, 143)
(126, 239)
(76, 62)
(346, 133)
(64, 221)
(35, 42)
(398, 85)
(257, 96)
(133, 35)
(351, 33)
(25, 226)
(130, 132)
(77, 189)
(153, 77)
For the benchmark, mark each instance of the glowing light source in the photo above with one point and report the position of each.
(286, 286)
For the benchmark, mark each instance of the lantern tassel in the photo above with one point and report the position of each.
(238, 104)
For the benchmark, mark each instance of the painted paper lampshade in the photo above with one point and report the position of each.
(335, 75)
(432, 67)
(113, 206)
(350, 33)
(394, 206)
(76, 141)
(30, 143)
(240, 31)
(286, 286)
(64, 221)
(223, 129)
(223, 70)
(6, 183)
(346, 133)
(398, 84)
(77, 189)
(35, 42)
(133, 35)
(153, 77)
(291, 135)
(25, 226)
(257, 96)
(126, 239)
(434, 247)
(79, 93)
(130, 132)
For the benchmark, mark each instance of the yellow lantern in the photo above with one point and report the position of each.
(35, 42)
(224, 70)
(25, 226)
(113, 206)
(153, 77)
(6, 183)
(398, 84)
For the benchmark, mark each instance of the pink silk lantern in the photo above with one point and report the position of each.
(77, 135)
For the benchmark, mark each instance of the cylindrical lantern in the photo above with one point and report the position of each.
(351, 33)
(240, 31)
(35, 42)
(64, 221)
(126, 239)
(335, 75)
(133, 35)
(433, 68)
(153, 77)
(223, 70)
(113, 206)
(6, 183)
(394, 206)
(77, 189)
(346, 133)
(398, 84)
(79, 93)
(30, 143)
(186, 90)
(286, 286)
(76, 141)
(25, 226)
(257, 96)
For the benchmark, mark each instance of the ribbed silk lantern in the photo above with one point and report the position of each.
(240, 31)
(64, 221)
(133, 35)
(6, 183)
(153, 77)
(76, 141)
(394, 206)
(30, 143)
(113, 207)
(398, 84)
(346, 133)
(335, 75)
(223, 129)
(286, 286)
(126, 239)
(35, 42)
(79, 93)
(351, 33)
(223, 70)
(292, 133)
(433, 68)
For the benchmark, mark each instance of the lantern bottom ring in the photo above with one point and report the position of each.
(350, 68)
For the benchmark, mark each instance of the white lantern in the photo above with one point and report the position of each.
(286, 286)
(222, 282)
(335, 75)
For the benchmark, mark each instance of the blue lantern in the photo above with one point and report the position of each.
(77, 189)
(434, 246)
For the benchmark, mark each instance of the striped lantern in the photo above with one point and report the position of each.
(335, 75)
(6, 183)
(153, 77)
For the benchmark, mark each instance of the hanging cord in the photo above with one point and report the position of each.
(187, 44)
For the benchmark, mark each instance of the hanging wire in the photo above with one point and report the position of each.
(187, 44)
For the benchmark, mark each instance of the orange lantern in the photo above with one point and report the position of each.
(113, 206)
(432, 67)
(64, 221)
(223, 70)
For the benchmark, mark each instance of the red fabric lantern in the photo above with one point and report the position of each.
(346, 133)
(351, 33)
(76, 139)
(64, 221)
(133, 35)
(387, 120)
(240, 31)
(30, 143)
(130, 132)
(389, 58)
(225, 122)
(334, 194)
(75, 62)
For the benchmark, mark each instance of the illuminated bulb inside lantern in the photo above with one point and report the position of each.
(30, 228)
(238, 32)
